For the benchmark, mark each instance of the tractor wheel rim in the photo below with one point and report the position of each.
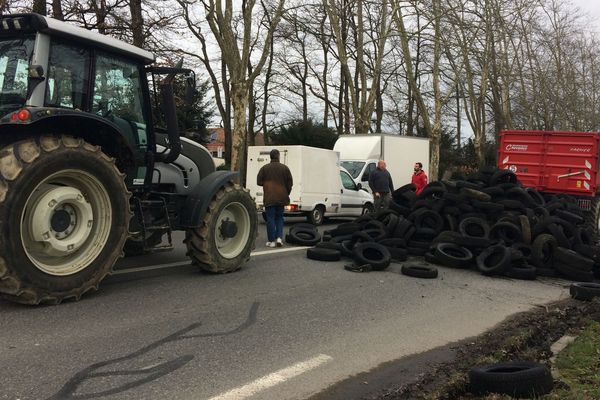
(66, 222)
(231, 247)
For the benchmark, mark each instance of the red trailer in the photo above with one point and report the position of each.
(556, 162)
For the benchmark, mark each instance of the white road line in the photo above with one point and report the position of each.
(151, 267)
(263, 252)
(273, 379)
(185, 263)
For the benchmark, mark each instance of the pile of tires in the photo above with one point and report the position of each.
(487, 222)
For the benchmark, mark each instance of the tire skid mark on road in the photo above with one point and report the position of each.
(273, 379)
(142, 375)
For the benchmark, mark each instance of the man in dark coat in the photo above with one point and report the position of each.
(381, 185)
(276, 180)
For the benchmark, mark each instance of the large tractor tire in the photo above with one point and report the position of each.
(64, 214)
(227, 234)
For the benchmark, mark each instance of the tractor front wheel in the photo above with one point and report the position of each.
(226, 237)
(64, 213)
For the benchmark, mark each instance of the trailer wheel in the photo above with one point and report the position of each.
(65, 211)
(226, 238)
(592, 218)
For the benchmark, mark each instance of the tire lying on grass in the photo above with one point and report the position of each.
(517, 379)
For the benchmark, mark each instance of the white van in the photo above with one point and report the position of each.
(321, 187)
(359, 155)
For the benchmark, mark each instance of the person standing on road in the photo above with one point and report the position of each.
(419, 178)
(276, 180)
(382, 186)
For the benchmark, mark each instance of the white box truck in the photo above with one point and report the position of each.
(359, 155)
(321, 187)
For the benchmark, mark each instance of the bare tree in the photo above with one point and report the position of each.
(220, 20)
(362, 89)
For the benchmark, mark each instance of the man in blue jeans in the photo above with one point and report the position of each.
(276, 180)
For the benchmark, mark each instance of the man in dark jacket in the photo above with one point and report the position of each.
(276, 180)
(381, 185)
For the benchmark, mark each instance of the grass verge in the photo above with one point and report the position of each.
(579, 366)
(526, 337)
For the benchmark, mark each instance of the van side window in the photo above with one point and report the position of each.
(347, 181)
(370, 168)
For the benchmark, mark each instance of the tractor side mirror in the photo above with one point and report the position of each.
(36, 72)
(36, 76)
(190, 89)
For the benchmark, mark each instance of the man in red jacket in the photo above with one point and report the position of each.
(419, 178)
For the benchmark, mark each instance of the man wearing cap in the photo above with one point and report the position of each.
(276, 180)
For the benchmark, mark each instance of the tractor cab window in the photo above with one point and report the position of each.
(118, 97)
(67, 81)
(117, 89)
(15, 55)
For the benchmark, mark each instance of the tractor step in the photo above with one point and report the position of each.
(158, 211)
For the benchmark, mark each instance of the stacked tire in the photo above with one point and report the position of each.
(486, 221)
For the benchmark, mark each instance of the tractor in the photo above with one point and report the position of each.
(88, 173)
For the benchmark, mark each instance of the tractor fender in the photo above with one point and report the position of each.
(197, 201)
(92, 128)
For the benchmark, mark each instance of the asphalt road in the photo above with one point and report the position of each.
(283, 327)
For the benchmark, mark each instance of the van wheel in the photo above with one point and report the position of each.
(368, 209)
(316, 216)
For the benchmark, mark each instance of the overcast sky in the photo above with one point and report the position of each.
(591, 7)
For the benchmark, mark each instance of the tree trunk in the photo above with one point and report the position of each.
(239, 101)
(268, 74)
(227, 117)
(436, 132)
(379, 108)
(39, 6)
(137, 22)
(57, 12)
(250, 138)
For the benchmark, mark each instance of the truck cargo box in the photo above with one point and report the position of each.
(359, 155)
(552, 162)
(322, 188)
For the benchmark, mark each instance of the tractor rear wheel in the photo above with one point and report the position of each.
(226, 237)
(64, 213)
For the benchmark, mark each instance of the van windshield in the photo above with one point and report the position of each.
(353, 167)
(14, 73)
